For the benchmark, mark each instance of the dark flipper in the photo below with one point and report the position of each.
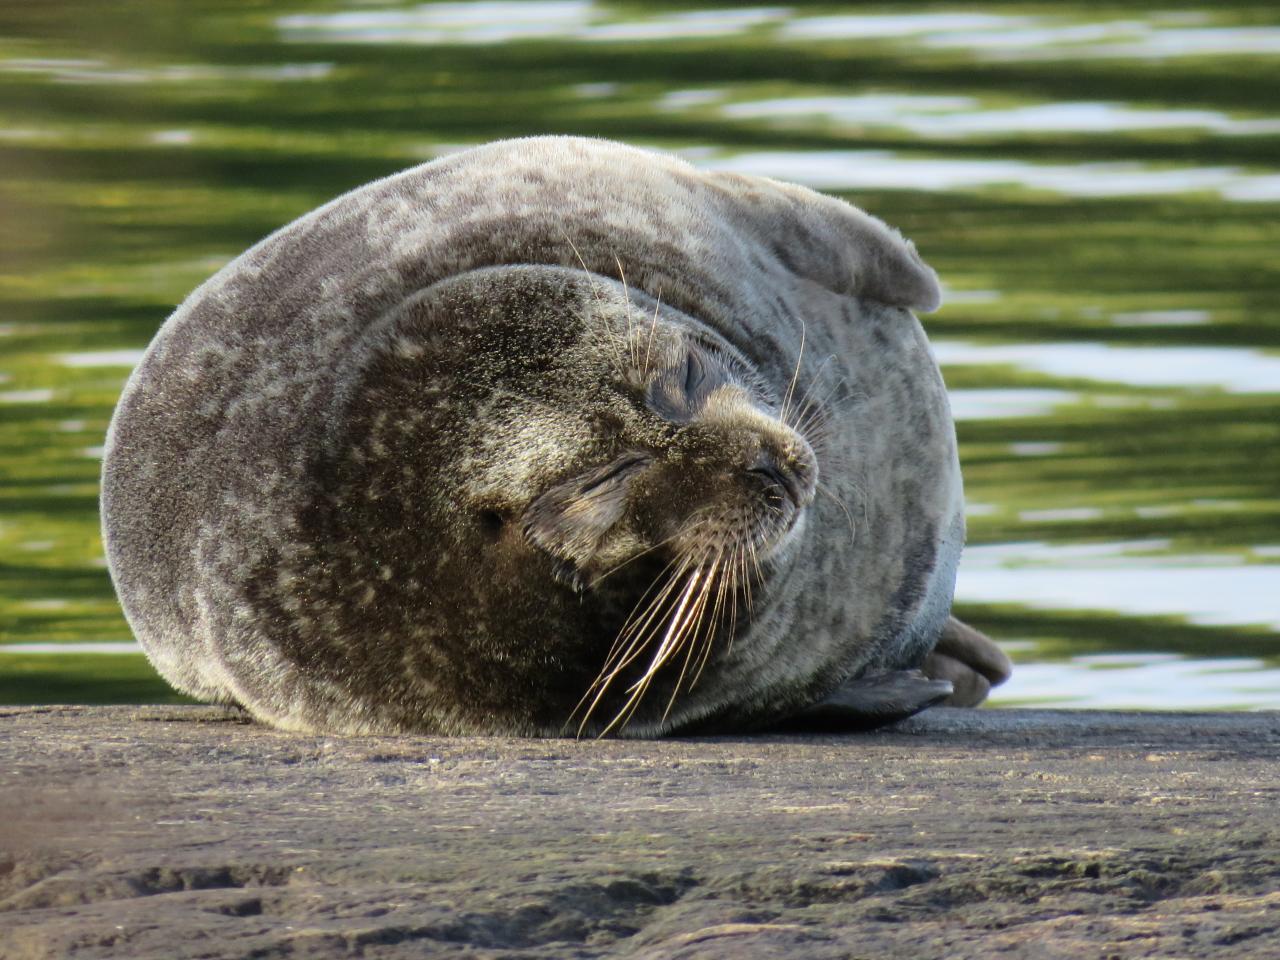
(869, 702)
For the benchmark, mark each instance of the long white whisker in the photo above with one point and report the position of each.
(717, 611)
(692, 637)
(634, 630)
(674, 630)
(795, 375)
(623, 653)
(853, 533)
(626, 295)
(738, 566)
(653, 328)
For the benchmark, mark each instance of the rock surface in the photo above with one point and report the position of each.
(181, 832)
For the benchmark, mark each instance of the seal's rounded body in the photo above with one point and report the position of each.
(552, 431)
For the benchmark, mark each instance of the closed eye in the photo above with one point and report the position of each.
(695, 372)
(678, 393)
(613, 471)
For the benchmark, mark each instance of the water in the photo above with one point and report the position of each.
(1099, 189)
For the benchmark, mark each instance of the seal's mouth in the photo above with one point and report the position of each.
(775, 544)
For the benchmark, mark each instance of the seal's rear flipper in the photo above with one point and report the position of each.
(869, 702)
(970, 660)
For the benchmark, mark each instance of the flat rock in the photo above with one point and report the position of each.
(183, 832)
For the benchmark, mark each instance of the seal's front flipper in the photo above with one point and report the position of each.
(871, 701)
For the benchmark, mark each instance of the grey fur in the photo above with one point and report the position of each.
(281, 537)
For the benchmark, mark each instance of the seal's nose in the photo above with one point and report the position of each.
(786, 472)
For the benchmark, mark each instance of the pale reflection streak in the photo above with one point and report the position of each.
(1218, 590)
(1231, 369)
(961, 116)
(1144, 682)
(890, 170)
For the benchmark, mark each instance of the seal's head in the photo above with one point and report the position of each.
(593, 483)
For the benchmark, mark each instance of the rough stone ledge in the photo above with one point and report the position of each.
(186, 832)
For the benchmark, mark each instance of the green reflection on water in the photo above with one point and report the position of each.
(72, 678)
(138, 153)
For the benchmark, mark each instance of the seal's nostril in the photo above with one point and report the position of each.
(492, 523)
(775, 477)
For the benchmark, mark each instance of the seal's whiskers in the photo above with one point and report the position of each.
(700, 617)
(678, 631)
(680, 613)
(622, 653)
(653, 326)
(708, 642)
(632, 638)
(675, 629)
(795, 375)
(746, 580)
(853, 532)
(737, 577)
(813, 409)
(591, 278)
(626, 297)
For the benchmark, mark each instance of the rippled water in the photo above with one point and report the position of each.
(1099, 189)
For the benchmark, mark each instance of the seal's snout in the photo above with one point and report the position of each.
(735, 435)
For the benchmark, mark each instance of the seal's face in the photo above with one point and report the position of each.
(701, 476)
(700, 464)
(596, 489)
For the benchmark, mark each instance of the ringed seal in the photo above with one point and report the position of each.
(551, 435)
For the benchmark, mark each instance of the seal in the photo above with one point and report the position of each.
(553, 435)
